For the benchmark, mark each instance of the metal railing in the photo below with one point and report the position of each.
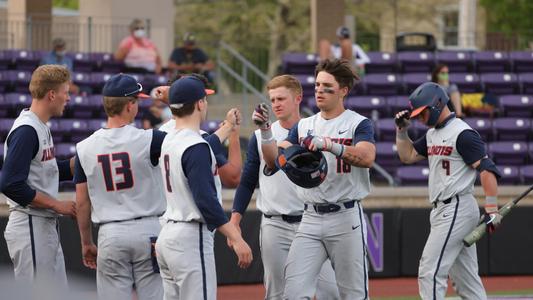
(232, 66)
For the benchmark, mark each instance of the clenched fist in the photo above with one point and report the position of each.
(261, 116)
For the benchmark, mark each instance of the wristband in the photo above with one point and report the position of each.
(402, 134)
(491, 204)
(337, 149)
(266, 136)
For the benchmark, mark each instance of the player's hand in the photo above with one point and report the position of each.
(317, 143)
(66, 208)
(89, 254)
(161, 93)
(402, 119)
(235, 221)
(261, 116)
(492, 218)
(233, 117)
(244, 253)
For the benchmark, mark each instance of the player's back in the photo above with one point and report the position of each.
(122, 181)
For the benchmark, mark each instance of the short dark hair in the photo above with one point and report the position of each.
(177, 76)
(186, 110)
(341, 69)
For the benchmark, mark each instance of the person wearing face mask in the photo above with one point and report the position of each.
(139, 53)
(58, 57)
(440, 76)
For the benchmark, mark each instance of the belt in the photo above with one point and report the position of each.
(134, 219)
(447, 201)
(331, 207)
(287, 218)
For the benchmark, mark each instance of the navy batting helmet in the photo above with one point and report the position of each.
(304, 168)
(431, 96)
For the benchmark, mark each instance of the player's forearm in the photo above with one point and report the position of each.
(84, 222)
(404, 146)
(361, 155)
(224, 131)
(235, 218)
(44, 201)
(234, 150)
(489, 183)
(270, 153)
(230, 231)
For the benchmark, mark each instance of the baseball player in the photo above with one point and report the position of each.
(119, 186)
(277, 199)
(185, 245)
(332, 224)
(454, 151)
(229, 169)
(30, 180)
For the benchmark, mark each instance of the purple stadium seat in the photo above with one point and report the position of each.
(500, 83)
(373, 107)
(482, 126)
(508, 153)
(17, 101)
(522, 61)
(64, 150)
(457, 61)
(5, 81)
(150, 81)
(20, 80)
(210, 126)
(416, 61)
(82, 79)
(467, 83)
(308, 84)
(397, 104)
(82, 62)
(382, 84)
(72, 125)
(80, 107)
(413, 80)
(412, 175)
(106, 62)
(299, 63)
(526, 172)
(93, 125)
(381, 62)
(386, 130)
(4, 107)
(491, 61)
(517, 105)
(510, 174)
(5, 126)
(25, 60)
(5, 59)
(98, 80)
(511, 129)
(526, 82)
(387, 156)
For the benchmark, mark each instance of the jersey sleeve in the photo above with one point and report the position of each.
(421, 146)
(155, 146)
(249, 178)
(64, 170)
(292, 137)
(364, 132)
(470, 146)
(197, 169)
(79, 173)
(214, 143)
(23, 145)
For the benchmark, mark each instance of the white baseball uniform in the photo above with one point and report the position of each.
(282, 211)
(333, 225)
(126, 193)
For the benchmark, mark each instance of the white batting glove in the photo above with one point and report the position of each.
(322, 143)
(493, 218)
(261, 116)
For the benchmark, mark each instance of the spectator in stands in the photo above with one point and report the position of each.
(440, 76)
(155, 116)
(58, 57)
(139, 54)
(191, 59)
(344, 49)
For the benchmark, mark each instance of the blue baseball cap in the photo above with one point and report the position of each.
(186, 90)
(122, 85)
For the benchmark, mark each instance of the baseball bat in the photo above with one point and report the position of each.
(480, 230)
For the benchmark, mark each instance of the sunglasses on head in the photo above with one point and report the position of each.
(134, 93)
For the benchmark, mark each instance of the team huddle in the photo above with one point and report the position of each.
(156, 194)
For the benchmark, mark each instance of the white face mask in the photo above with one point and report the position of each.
(61, 53)
(166, 114)
(139, 33)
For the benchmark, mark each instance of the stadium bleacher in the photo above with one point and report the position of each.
(390, 77)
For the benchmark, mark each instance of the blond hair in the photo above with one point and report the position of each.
(287, 81)
(114, 106)
(46, 78)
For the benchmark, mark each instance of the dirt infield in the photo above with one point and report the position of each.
(400, 288)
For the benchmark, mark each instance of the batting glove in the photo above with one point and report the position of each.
(322, 143)
(402, 119)
(261, 116)
(492, 216)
